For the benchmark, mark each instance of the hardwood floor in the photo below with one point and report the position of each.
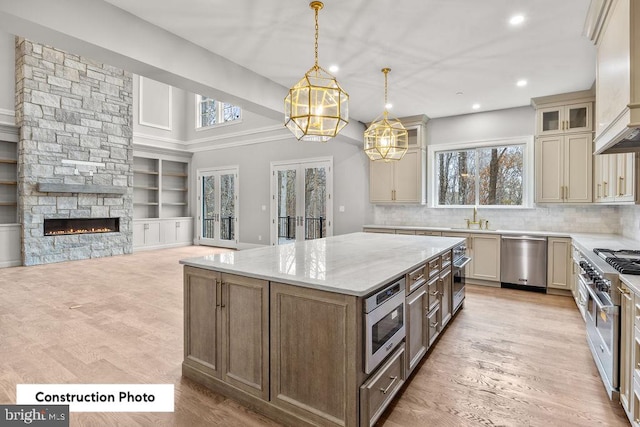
(509, 358)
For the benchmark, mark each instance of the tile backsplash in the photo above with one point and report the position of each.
(630, 222)
(557, 218)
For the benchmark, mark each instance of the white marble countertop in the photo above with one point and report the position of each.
(469, 230)
(353, 264)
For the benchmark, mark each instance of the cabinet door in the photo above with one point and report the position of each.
(184, 231)
(626, 348)
(485, 258)
(416, 338)
(245, 324)
(550, 120)
(445, 296)
(577, 118)
(138, 234)
(201, 320)
(381, 182)
(598, 177)
(558, 259)
(407, 177)
(549, 169)
(625, 177)
(433, 325)
(578, 160)
(314, 337)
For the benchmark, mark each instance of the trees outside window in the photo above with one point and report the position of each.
(481, 176)
(212, 112)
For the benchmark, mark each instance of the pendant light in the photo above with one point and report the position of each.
(316, 108)
(386, 139)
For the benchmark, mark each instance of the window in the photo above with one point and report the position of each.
(211, 112)
(486, 175)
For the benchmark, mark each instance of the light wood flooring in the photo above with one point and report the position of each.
(509, 358)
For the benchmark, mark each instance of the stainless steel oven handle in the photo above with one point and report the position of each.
(466, 261)
(606, 308)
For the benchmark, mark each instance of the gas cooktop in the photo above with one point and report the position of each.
(625, 261)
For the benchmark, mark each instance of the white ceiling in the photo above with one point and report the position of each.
(435, 48)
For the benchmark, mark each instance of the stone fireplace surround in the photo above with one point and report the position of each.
(72, 108)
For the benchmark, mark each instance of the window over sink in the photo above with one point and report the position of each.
(487, 173)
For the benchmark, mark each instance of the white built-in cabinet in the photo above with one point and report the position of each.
(559, 263)
(402, 181)
(564, 148)
(161, 214)
(10, 229)
(615, 178)
(484, 251)
(628, 345)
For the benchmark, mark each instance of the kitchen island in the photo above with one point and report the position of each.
(281, 328)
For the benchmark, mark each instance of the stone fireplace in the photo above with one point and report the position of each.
(75, 155)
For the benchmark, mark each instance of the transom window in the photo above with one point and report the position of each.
(211, 112)
(487, 175)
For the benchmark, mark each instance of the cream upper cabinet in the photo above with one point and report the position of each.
(564, 118)
(563, 168)
(559, 263)
(403, 181)
(615, 178)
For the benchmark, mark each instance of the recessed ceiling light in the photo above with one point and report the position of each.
(521, 83)
(388, 106)
(459, 93)
(334, 68)
(516, 20)
(475, 106)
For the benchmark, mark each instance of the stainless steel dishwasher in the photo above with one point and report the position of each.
(523, 263)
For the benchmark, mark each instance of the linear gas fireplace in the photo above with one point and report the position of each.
(59, 227)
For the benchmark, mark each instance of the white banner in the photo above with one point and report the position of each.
(99, 397)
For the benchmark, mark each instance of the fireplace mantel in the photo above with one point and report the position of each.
(46, 187)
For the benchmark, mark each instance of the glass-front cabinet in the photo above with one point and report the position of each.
(564, 118)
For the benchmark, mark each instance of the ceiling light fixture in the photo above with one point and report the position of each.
(521, 83)
(316, 108)
(476, 106)
(516, 20)
(334, 68)
(386, 139)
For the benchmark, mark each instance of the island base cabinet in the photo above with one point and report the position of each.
(379, 390)
(314, 343)
(433, 325)
(226, 333)
(416, 334)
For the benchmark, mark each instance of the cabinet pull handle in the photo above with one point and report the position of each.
(417, 279)
(622, 290)
(218, 296)
(604, 186)
(222, 295)
(435, 293)
(435, 324)
(386, 390)
(620, 186)
(598, 192)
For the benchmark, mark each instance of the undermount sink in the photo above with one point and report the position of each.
(471, 229)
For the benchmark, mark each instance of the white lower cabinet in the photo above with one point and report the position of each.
(558, 263)
(10, 245)
(484, 250)
(162, 233)
(627, 349)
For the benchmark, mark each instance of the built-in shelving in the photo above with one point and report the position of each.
(174, 185)
(160, 188)
(8, 182)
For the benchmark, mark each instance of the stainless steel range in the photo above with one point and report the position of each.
(624, 260)
(602, 315)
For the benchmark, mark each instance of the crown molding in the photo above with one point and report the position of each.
(234, 135)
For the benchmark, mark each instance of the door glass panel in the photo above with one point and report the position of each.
(227, 206)
(551, 120)
(208, 207)
(577, 117)
(286, 202)
(315, 203)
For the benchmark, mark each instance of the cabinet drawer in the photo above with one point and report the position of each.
(377, 393)
(415, 279)
(445, 260)
(434, 293)
(433, 267)
(433, 325)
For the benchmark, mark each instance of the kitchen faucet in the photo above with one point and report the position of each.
(476, 220)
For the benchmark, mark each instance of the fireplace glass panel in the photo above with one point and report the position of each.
(58, 226)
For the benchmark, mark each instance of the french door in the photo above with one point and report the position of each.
(218, 207)
(301, 203)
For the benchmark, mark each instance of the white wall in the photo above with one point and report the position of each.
(7, 78)
(156, 94)
(350, 188)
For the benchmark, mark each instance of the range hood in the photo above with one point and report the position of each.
(613, 26)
